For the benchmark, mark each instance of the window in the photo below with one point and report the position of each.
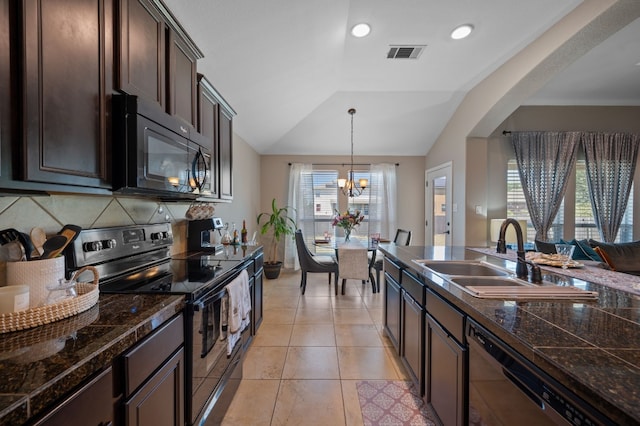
(584, 222)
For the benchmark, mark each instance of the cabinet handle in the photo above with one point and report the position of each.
(183, 130)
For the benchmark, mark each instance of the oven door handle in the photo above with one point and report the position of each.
(200, 304)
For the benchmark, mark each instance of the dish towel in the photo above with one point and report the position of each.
(235, 309)
(353, 262)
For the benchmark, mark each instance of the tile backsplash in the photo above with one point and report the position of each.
(52, 212)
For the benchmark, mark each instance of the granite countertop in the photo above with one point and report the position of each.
(42, 364)
(593, 348)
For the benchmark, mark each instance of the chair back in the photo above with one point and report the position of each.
(403, 237)
(304, 255)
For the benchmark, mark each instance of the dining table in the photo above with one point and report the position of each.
(371, 247)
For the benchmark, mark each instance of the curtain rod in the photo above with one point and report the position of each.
(343, 164)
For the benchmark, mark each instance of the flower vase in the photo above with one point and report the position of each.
(347, 234)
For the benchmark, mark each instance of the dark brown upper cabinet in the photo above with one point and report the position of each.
(208, 110)
(66, 78)
(157, 59)
(215, 117)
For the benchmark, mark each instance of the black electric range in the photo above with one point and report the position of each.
(136, 259)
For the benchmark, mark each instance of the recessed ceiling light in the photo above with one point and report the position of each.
(461, 32)
(360, 30)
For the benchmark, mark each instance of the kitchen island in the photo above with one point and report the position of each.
(591, 348)
(40, 366)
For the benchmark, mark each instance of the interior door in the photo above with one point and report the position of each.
(438, 206)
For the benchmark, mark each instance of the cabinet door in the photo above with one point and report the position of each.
(413, 339)
(67, 66)
(182, 76)
(257, 300)
(226, 156)
(160, 402)
(392, 310)
(445, 375)
(208, 110)
(141, 51)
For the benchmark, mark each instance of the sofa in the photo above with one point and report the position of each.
(619, 257)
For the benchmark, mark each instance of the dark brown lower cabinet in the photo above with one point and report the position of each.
(412, 353)
(91, 405)
(445, 374)
(392, 310)
(160, 400)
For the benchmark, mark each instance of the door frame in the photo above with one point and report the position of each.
(445, 169)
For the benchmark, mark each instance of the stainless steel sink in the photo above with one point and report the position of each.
(461, 267)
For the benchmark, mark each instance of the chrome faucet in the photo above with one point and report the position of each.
(521, 264)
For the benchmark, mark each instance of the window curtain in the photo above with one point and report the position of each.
(610, 160)
(545, 160)
(301, 199)
(382, 200)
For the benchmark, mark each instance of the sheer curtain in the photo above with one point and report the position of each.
(545, 160)
(610, 162)
(382, 200)
(301, 199)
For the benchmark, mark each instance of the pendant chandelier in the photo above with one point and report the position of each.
(349, 186)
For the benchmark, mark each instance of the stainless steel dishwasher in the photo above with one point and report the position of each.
(507, 389)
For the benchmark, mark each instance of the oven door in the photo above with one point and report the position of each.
(211, 367)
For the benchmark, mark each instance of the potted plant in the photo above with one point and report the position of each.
(278, 222)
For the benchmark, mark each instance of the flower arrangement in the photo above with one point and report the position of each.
(347, 221)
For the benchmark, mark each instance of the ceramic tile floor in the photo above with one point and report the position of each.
(310, 351)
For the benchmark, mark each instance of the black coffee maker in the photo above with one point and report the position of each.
(200, 234)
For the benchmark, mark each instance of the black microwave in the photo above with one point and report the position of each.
(155, 154)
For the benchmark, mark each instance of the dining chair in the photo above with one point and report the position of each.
(402, 238)
(314, 263)
(353, 264)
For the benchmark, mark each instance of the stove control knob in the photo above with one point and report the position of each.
(92, 246)
(109, 244)
(155, 236)
(165, 235)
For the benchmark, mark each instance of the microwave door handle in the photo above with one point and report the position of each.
(195, 167)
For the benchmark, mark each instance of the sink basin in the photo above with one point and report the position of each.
(461, 267)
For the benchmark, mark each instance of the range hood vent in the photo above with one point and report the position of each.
(405, 51)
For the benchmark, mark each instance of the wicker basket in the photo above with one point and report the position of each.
(88, 294)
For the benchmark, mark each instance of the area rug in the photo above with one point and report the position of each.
(392, 403)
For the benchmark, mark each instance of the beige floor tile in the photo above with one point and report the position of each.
(313, 335)
(260, 395)
(274, 301)
(352, 410)
(366, 363)
(309, 403)
(314, 302)
(264, 362)
(374, 300)
(358, 335)
(273, 335)
(351, 316)
(377, 315)
(349, 302)
(315, 288)
(314, 316)
(282, 291)
(278, 316)
(311, 362)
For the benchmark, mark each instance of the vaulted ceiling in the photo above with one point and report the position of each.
(291, 70)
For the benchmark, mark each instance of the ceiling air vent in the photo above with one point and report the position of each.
(405, 51)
